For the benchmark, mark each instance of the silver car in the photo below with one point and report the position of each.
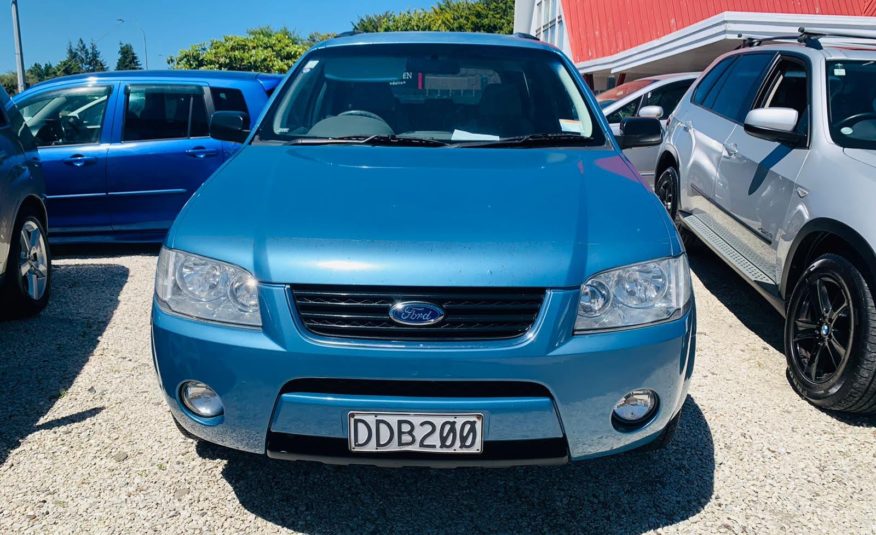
(770, 160)
(654, 97)
(25, 261)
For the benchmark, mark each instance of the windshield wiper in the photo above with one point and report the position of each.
(377, 140)
(555, 139)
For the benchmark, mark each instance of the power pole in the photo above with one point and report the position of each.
(16, 35)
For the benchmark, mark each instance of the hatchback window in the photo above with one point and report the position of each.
(627, 110)
(66, 117)
(852, 103)
(225, 99)
(667, 96)
(733, 96)
(446, 93)
(164, 112)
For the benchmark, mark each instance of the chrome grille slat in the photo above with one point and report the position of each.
(471, 313)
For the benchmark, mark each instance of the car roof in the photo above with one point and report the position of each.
(271, 79)
(412, 38)
(672, 76)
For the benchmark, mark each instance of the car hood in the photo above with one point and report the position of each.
(425, 216)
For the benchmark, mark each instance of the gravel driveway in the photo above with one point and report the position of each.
(87, 445)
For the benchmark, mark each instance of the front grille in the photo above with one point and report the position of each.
(419, 388)
(470, 313)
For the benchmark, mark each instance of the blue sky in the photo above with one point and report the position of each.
(47, 25)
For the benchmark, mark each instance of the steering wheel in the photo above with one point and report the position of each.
(855, 119)
(363, 113)
(71, 125)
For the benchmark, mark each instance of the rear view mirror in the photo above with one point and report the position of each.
(774, 124)
(640, 132)
(229, 126)
(652, 112)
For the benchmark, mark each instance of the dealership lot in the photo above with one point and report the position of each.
(87, 443)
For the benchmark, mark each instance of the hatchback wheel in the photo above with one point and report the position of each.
(830, 337)
(26, 285)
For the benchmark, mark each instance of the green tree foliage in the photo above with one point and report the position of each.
(489, 16)
(81, 58)
(39, 72)
(261, 49)
(9, 81)
(128, 60)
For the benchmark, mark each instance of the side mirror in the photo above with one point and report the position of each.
(229, 126)
(774, 124)
(640, 132)
(652, 112)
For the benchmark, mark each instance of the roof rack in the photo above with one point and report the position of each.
(349, 33)
(805, 37)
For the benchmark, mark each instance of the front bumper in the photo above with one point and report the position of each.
(569, 383)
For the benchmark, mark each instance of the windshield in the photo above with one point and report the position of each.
(446, 94)
(852, 107)
(613, 95)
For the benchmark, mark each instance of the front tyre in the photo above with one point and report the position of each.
(830, 337)
(25, 288)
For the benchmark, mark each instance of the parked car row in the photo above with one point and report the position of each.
(429, 248)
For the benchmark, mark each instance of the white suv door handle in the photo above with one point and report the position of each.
(732, 149)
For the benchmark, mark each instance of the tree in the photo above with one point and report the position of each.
(9, 81)
(489, 16)
(261, 49)
(39, 72)
(81, 58)
(128, 60)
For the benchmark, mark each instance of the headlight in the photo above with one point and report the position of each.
(206, 289)
(635, 295)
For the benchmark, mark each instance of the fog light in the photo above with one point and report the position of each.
(636, 408)
(201, 399)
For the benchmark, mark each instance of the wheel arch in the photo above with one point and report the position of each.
(821, 236)
(666, 159)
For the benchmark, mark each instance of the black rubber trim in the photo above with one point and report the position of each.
(510, 452)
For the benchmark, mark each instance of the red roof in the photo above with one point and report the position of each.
(599, 28)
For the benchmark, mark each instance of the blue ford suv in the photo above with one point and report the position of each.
(123, 151)
(430, 250)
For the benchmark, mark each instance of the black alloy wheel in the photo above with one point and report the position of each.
(830, 337)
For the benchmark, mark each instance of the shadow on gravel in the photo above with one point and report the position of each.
(41, 356)
(630, 493)
(107, 250)
(741, 299)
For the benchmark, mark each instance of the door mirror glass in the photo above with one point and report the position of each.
(640, 132)
(653, 112)
(229, 126)
(773, 124)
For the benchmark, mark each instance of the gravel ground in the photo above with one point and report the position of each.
(87, 445)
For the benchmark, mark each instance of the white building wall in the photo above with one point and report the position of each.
(543, 19)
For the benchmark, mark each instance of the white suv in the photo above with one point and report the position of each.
(770, 160)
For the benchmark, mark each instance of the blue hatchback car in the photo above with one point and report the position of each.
(430, 250)
(122, 152)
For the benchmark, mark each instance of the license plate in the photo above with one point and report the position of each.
(429, 433)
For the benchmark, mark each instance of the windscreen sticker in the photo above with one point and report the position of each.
(462, 135)
(310, 65)
(839, 70)
(570, 125)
